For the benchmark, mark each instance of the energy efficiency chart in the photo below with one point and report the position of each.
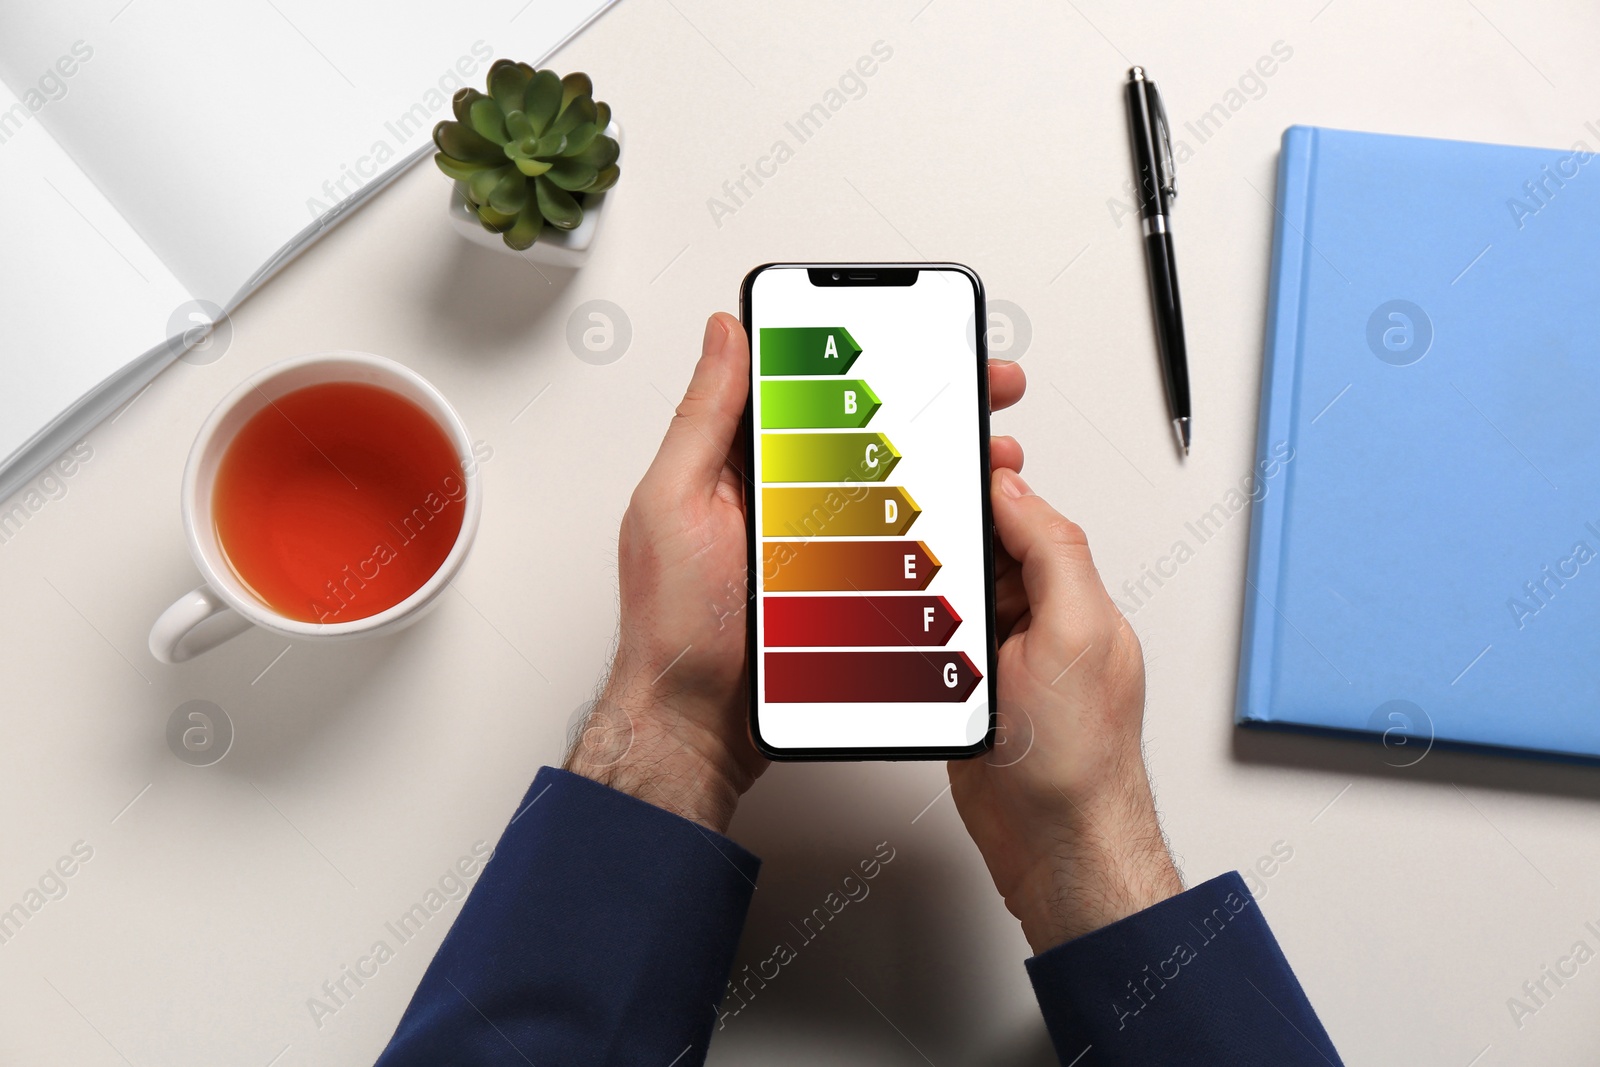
(853, 620)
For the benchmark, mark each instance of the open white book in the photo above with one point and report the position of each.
(159, 159)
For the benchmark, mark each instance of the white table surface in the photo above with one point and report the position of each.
(219, 899)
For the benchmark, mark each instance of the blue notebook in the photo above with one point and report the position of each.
(1425, 562)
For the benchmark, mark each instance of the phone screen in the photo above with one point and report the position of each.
(872, 621)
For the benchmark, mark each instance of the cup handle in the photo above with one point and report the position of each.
(196, 623)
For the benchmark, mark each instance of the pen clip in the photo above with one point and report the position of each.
(1166, 167)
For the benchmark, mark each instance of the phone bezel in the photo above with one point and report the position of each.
(868, 274)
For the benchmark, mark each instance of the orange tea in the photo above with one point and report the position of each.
(337, 501)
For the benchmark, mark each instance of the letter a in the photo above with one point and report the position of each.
(319, 1010)
(832, 351)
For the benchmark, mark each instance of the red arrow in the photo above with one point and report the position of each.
(832, 621)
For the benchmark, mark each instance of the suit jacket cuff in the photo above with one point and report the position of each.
(601, 931)
(1196, 979)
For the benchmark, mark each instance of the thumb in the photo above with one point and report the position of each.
(1066, 599)
(705, 427)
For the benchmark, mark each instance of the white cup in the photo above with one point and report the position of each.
(223, 607)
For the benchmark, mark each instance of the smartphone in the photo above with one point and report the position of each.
(871, 631)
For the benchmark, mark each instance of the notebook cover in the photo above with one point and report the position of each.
(1425, 562)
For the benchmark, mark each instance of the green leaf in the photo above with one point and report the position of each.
(556, 204)
(572, 175)
(487, 120)
(604, 180)
(543, 99)
(602, 111)
(461, 103)
(526, 230)
(460, 141)
(550, 145)
(580, 112)
(507, 85)
(482, 184)
(575, 86)
(601, 153)
(494, 220)
(579, 138)
(532, 167)
(510, 194)
(455, 168)
(519, 127)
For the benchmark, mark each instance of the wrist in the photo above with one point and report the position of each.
(1108, 860)
(656, 751)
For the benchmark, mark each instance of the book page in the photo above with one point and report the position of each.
(80, 293)
(220, 131)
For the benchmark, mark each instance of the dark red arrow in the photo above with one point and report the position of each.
(831, 621)
(869, 677)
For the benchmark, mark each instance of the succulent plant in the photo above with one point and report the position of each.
(529, 150)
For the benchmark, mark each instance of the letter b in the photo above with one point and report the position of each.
(849, 401)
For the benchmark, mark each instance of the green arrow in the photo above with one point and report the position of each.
(807, 350)
(843, 403)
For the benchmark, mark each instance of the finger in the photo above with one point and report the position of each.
(1010, 599)
(1065, 594)
(700, 441)
(1006, 383)
(1005, 452)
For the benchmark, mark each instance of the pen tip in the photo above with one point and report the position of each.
(1181, 425)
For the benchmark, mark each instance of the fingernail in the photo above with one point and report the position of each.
(1013, 484)
(716, 334)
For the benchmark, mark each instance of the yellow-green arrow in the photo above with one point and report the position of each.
(826, 457)
(804, 404)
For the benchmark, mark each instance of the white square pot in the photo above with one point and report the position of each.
(555, 247)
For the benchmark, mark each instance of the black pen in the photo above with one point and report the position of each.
(1155, 176)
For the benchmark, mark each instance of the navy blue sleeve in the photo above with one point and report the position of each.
(601, 932)
(1196, 979)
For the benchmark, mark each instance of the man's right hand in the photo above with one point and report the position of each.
(1068, 829)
